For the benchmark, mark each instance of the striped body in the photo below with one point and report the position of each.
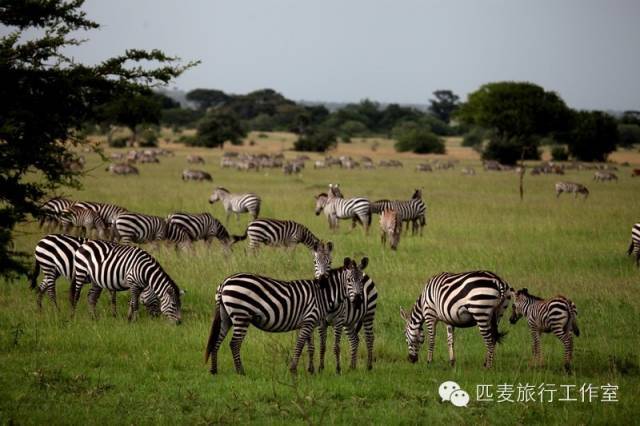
(391, 228)
(196, 175)
(274, 232)
(108, 212)
(123, 169)
(603, 176)
(556, 315)
(195, 159)
(115, 267)
(85, 219)
(571, 187)
(140, 228)
(237, 203)
(51, 210)
(279, 306)
(459, 300)
(334, 208)
(634, 247)
(197, 227)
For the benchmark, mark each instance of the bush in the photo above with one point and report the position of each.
(189, 140)
(420, 141)
(262, 122)
(473, 138)
(216, 128)
(629, 135)
(509, 151)
(594, 136)
(436, 125)
(353, 128)
(147, 137)
(119, 141)
(319, 140)
(559, 153)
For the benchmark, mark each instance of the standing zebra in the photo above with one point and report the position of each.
(571, 187)
(199, 175)
(556, 315)
(51, 210)
(279, 306)
(237, 203)
(196, 227)
(412, 210)
(634, 247)
(117, 267)
(108, 212)
(459, 300)
(391, 227)
(140, 228)
(87, 220)
(274, 232)
(602, 176)
(358, 209)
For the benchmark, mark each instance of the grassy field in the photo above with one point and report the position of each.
(58, 370)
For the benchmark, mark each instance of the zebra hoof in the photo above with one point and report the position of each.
(452, 363)
(213, 372)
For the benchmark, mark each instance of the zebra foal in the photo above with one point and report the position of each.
(237, 203)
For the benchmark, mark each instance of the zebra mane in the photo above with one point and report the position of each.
(223, 189)
(525, 291)
(322, 194)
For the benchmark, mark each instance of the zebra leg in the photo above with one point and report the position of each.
(228, 216)
(114, 298)
(431, 337)
(368, 338)
(225, 326)
(303, 337)
(92, 299)
(383, 238)
(537, 356)
(133, 303)
(310, 351)
(450, 338)
(337, 332)
(240, 325)
(567, 340)
(322, 329)
(354, 342)
(489, 341)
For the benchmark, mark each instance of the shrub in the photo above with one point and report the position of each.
(119, 141)
(353, 128)
(509, 151)
(473, 138)
(147, 137)
(316, 140)
(629, 135)
(559, 153)
(420, 141)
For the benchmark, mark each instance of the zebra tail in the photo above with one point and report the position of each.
(236, 238)
(630, 250)
(496, 334)
(34, 275)
(215, 332)
(574, 322)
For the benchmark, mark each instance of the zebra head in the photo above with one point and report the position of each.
(414, 333)
(322, 257)
(321, 201)
(218, 194)
(354, 278)
(521, 301)
(170, 304)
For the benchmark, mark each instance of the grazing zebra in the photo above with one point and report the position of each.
(468, 171)
(556, 315)
(140, 228)
(601, 176)
(634, 247)
(122, 169)
(86, 219)
(196, 227)
(391, 227)
(424, 168)
(237, 203)
(196, 175)
(107, 212)
(274, 232)
(409, 211)
(51, 210)
(195, 159)
(571, 187)
(279, 306)
(358, 209)
(116, 267)
(459, 300)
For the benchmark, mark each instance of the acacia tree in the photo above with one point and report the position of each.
(46, 96)
(218, 127)
(131, 110)
(594, 136)
(444, 105)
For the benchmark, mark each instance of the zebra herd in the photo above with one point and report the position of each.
(344, 297)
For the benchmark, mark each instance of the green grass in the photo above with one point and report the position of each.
(59, 370)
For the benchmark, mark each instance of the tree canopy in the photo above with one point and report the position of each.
(594, 136)
(218, 127)
(444, 105)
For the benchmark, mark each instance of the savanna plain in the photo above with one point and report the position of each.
(60, 370)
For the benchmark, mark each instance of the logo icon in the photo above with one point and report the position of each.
(451, 391)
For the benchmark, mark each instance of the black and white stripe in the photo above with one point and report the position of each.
(412, 210)
(196, 227)
(634, 247)
(116, 267)
(459, 300)
(274, 232)
(556, 315)
(51, 210)
(237, 203)
(357, 209)
(571, 187)
(84, 219)
(279, 306)
(108, 212)
(140, 228)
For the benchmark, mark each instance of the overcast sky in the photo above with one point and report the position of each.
(390, 51)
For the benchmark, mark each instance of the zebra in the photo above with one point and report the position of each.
(459, 300)
(199, 175)
(140, 228)
(358, 209)
(122, 169)
(196, 227)
(86, 219)
(409, 211)
(107, 212)
(571, 187)
(274, 232)
(51, 210)
(116, 267)
(237, 203)
(391, 227)
(279, 306)
(469, 171)
(195, 159)
(556, 315)
(602, 176)
(634, 247)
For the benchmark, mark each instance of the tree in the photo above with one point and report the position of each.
(594, 136)
(208, 98)
(444, 104)
(518, 114)
(46, 96)
(218, 127)
(630, 117)
(316, 140)
(629, 135)
(419, 140)
(131, 110)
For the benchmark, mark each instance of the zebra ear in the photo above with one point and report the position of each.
(364, 262)
(330, 246)
(347, 262)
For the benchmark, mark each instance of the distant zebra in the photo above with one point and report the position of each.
(116, 267)
(634, 247)
(237, 203)
(391, 227)
(122, 169)
(196, 175)
(50, 212)
(140, 228)
(409, 211)
(556, 315)
(196, 227)
(357, 209)
(107, 212)
(601, 176)
(468, 171)
(459, 300)
(85, 219)
(195, 159)
(571, 187)
(279, 306)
